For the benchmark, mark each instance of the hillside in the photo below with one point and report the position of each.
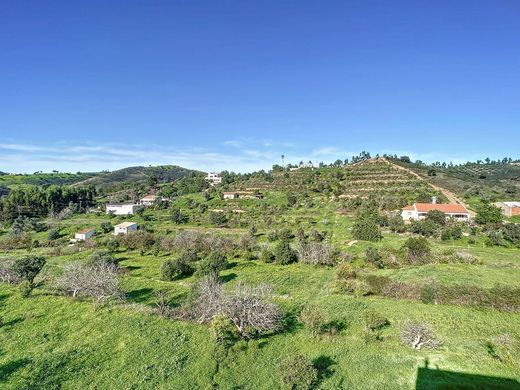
(44, 179)
(488, 181)
(137, 175)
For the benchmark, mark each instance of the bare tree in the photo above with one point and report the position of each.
(316, 253)
(7, 275)
(97, 280)
(418, 335)
(250, 309)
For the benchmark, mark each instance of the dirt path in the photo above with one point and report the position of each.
(447, 193)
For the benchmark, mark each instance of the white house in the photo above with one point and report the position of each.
(122, 208)
(213, 178)
(230, 195)
(419, 211)
(84, 234)
(125, 228)
(149, 200)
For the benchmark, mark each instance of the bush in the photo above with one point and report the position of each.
(345, 271)
(28, 267)
(418, 250)
(418, 335)
(213, 264)
(315, 253)
(267, 256)
(314, 318)
(298, 373)
(225, 335)
(366, 229)
(102, 257)
(25, 289)
(488, 213)
(396, 224)
(374, 321)
(284, 254)
(112, 245)
(53, 234)
(218, 219)
(425, 228)
(106, 227)
(373, 257)
(178, 217)
(437, 217)
(180, 267)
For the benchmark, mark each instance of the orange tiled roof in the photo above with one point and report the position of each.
(86, 230)
(452, 208)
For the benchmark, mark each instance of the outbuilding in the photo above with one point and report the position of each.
(125, 228)
(84, 234)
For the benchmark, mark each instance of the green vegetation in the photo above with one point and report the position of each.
(327, 288)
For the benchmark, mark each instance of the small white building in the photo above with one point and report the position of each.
(125, 228)
(121, 208)
(230, 195)
(213, 178)
(84, 234)
(420, 210)
(509, 209)
(149, 200)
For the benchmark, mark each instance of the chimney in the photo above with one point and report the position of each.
(434, 200)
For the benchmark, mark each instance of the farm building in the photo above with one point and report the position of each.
(213, 178)
(149, 200)
(509, 209)
(242, 195)
(125, 228)
(84, 234)
(419, 211)
(121, 208)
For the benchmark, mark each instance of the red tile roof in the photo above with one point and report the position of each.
(451, 208)
(86, 230)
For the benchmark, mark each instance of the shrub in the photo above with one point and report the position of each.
(102, 257)
(284, 254)
(178, 217)
(374, 321)
(396, 224)
(429, 292)
(96, 279)
(373, 257)
(25, 289)
(488, 213)
(7, 274)
(418, 250)
(53, 234)
(316, 253)
(267, 256)
(106, 227)
(418, 335)
(345, 271)
(298, 373)
(366, 229)
(425, 228)
(225, 335)
(179, 267)
(28, 267)
(218, 219)
(212, 264)
(437, 217)
(112, 245)
(314, 318)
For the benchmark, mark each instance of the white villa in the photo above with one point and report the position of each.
(509, 209)
(121, 208)
(419, 211)
(213, 178)
(84, 234)
(125, 228)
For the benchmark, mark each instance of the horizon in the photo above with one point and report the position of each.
(233, 86)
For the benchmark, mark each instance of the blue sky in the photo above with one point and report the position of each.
(234, 84)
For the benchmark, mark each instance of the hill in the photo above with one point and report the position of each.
(43, 179)
(138, 175)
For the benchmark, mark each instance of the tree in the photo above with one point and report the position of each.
(28, 267)
(102, 257)
(179, 267)
(97, 280)
(298, 373)
(366, 226)
(437, 217)
(284, 254)
(396, 224)
(291, 200)
(53, 234)
(212, 264)
(373, 256)
(316, 253)
(488, 213)
(106, 227)
(218, 219)
(405, 159)
(178, 217)
(418, 249)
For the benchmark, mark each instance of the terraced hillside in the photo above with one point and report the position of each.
(489, 181)
(379, 179)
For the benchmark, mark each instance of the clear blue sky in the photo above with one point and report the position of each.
(234, 84)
